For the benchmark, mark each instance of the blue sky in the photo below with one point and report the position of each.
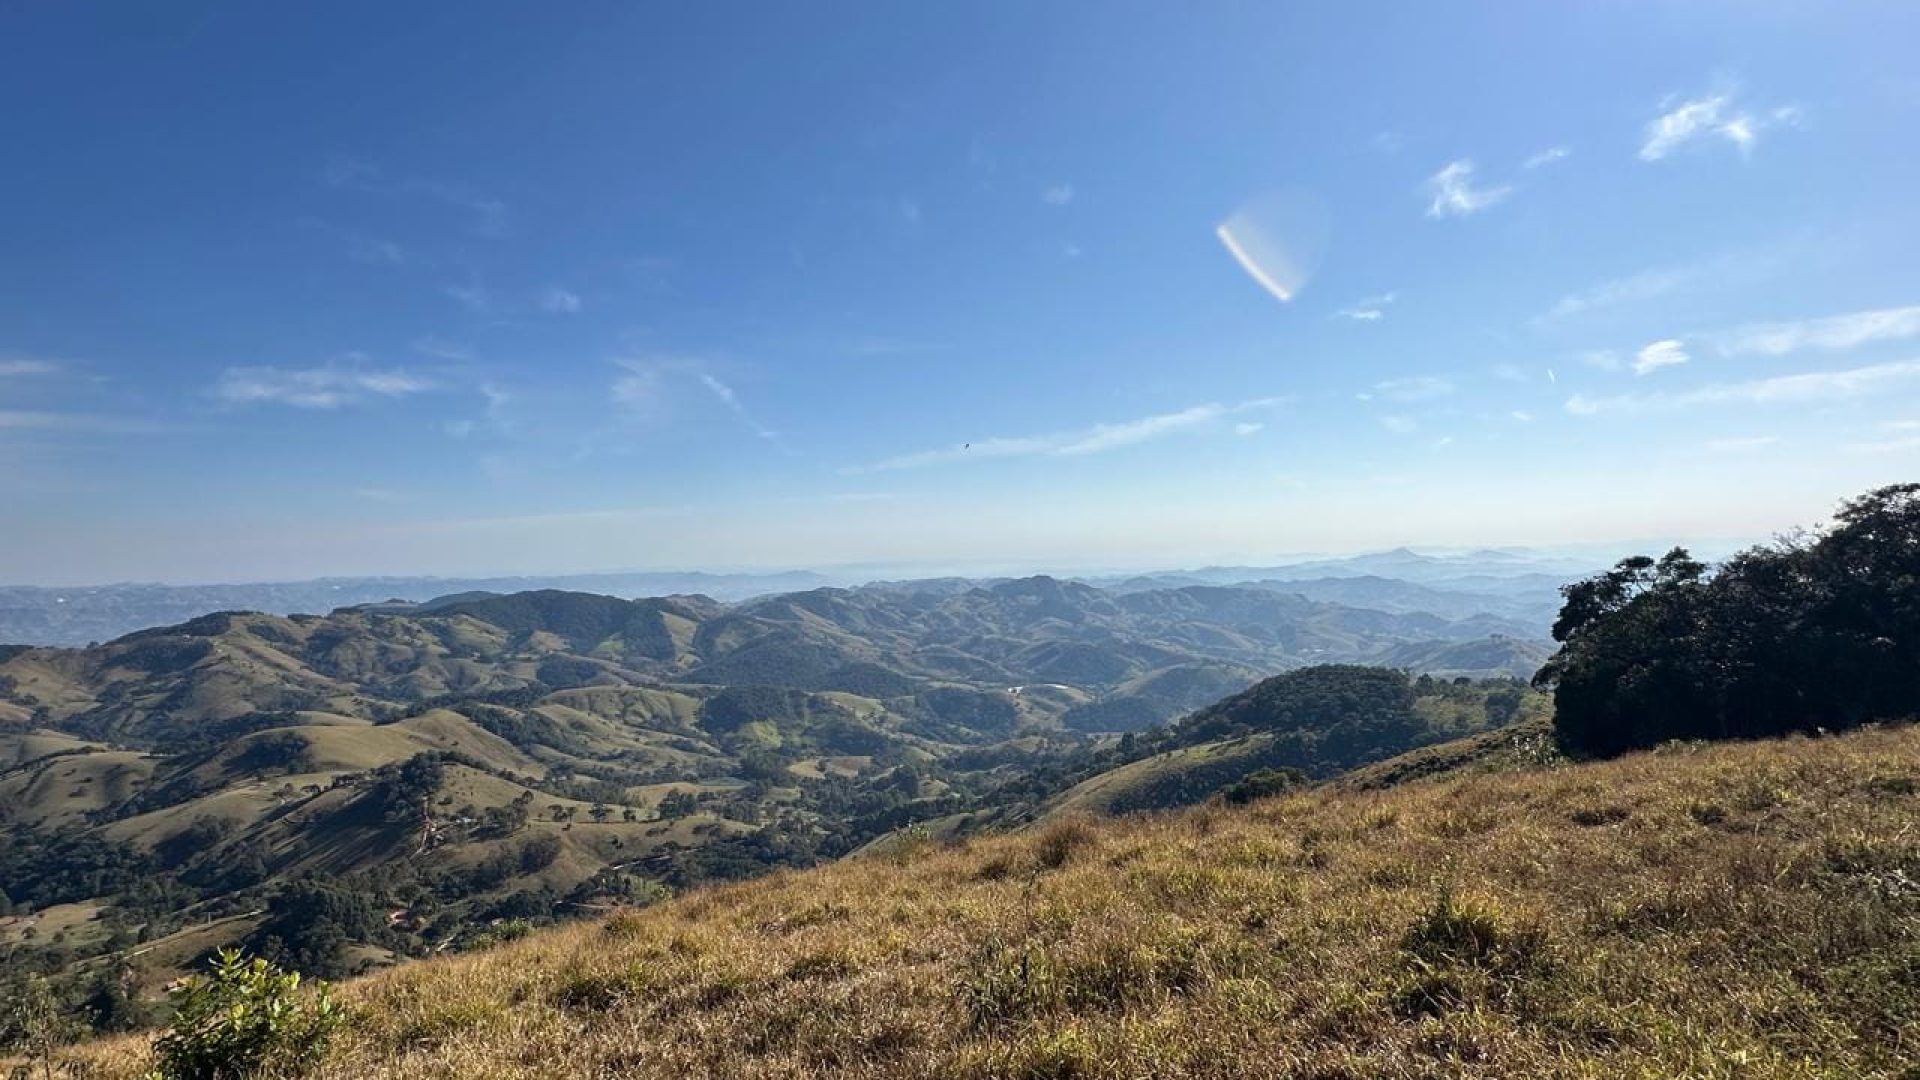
(486, 287)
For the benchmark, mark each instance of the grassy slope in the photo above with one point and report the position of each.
(1745, 910)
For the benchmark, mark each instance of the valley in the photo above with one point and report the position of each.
(425, 774)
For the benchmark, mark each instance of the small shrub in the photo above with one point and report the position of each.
(35, 1022)
(1008, 986)
(825, 966)
(1706, 813)
(1452, 931)
(1058, 844)
(997, 866)
(1594, 816)
(499, 933)
(910, 843)
(599, 991)
(625, 925)
(245, 1020)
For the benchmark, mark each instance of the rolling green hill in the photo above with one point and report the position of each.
(483, 758)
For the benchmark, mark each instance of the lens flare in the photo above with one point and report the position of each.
(1278, 239)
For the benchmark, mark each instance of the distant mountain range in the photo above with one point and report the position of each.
(1508, 583)
(37, 615)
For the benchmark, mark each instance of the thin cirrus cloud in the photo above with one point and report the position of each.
(1409, 389)
(1057, 195)
(442, 349)
(85, 423)
(558, 301)
(1659, 354)
(328, 386)
(1805, 388)
(1547, 157)
(731, 400)
(1098, 439)
(1715, 117)
(646, 386)
(1833, 332)
(489, 214)
(637, 388)
(1453, 193)
(1740, 444)
(12, 364)
(1367, 309)
(1615, 292)
(1902, 445)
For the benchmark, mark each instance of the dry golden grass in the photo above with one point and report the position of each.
(1733, 911)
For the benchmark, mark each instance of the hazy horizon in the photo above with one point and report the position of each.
(1596, 553)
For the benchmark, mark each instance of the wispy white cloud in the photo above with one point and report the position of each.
(637, 388)
(1547, 157)
(490, 214)
(1248, 428)
(1411, 388)
(732, 401)
(1634, 288)
(346, 172)
(18, 364)
(328, 386)
(1903, 444)
(1808, 387)
(473, 297)
(1443, 442)
(1832, 332)
(88, 423)
(1400, 425)
(1367, 309)
(559, 301)
(1657, 355)
(441, 349)
(1454, 194)
(1687, 121)
(372, 249)
(1057, 195)
(1739, 444)
(1522, 415)
(1097, 439)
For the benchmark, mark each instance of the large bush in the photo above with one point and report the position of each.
(1814, 632)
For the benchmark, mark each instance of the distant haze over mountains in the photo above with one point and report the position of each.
(1507, 583)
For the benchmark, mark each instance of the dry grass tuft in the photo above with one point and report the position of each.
(1748, 911)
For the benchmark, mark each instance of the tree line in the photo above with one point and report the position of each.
(1816, 631)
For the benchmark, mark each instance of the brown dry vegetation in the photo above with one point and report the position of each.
(1728, 911)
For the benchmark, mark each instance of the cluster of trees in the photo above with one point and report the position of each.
(1817, 631)
(1337, 714)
